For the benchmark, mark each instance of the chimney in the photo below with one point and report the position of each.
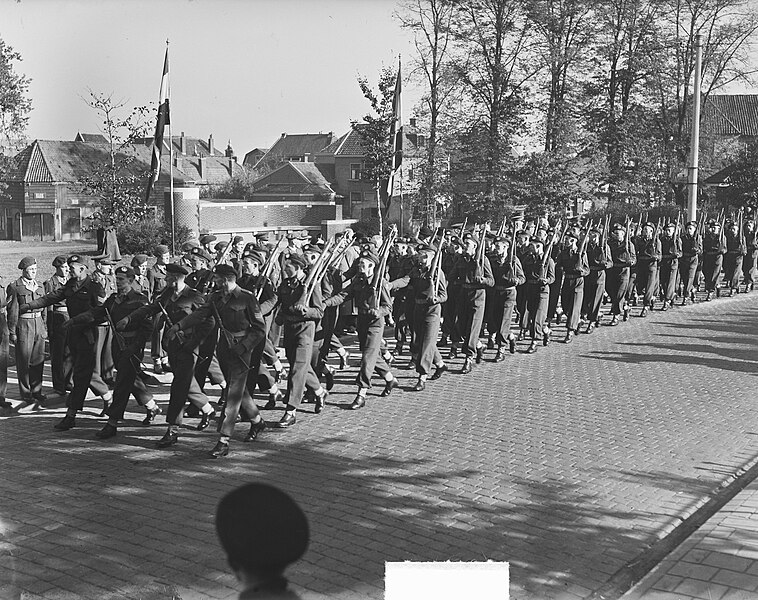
(178, 162)
(183, 144)
(413, 121)
(210, 145)
(231, 166)
(202, 167)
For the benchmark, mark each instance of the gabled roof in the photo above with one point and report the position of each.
(294, 147)
(252, 157)
(730, 114)
(90, 137)
(353, 144)
(215, 169)
(195, 146)
(297, 178)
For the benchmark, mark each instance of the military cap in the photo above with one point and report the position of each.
(254, 256)
(105, 259)
(303, 234)
(571, 235)
(368, 255)
(261, 528)
(262, 236)
(618, 227)
(26, 262)
(454, 239)
(312, 249)
(425, 232)
(501, 238)
(692, 223)
(249, 246)
(207, 239)
(139, 259)
(424, 248)
(595, 230)
(199, 252)
(160, 250)
(523, 232)
(224, 270)
(297, 260)
(190, 244)
(59, 261)
(670, 224)
(237, 239)
(78, 259)
(177, 269)
(124, 270)
(220, 246)
(712, 222)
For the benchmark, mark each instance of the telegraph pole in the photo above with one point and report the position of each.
(692, 169)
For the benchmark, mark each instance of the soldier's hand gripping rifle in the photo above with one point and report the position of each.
(179, 334)
(436, 268)
(384, 253)
(204, 283)
(482, 243)
(120, 342)
(271, 261)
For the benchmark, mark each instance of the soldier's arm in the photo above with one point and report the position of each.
(46, 300)
(518, 271)
(316, 309)
(397, 284)
(442, 288)
(340, 297)
(268, 297)
(487, 278)
(257, 330)
(550, 272)
(13, 307)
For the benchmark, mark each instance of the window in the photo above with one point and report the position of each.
(356, 171)
(354, 204)
(39, 195)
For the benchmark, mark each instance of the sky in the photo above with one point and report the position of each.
(242, 70)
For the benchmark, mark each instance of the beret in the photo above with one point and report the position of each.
(200, 253)
(262, 236)
(425, 231)
(75, 259)
(177, 269)
(123, 270)
(59, 261)
(618, 227)
(238, 238)
(104, 260)
(207, 239)
(27, 261)
(254, 256)
(224, 270)
(712, 222)
(501, 238)
(368, 255)
(261, 527)
(649, 224)
(670, 224)
(298, 260)
(189, 244)
(160, 250)
(139, 259)
(522, 232)
(220, 246)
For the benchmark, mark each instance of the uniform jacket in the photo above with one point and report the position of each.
(735, 244)
(17, 295)
(108, 282)
(573, 264)
(713, 244)
(506, 274)
(418, 285)
(536, 272)
(186, 302)
(363, 295)
(599, 256)
(622, 254)
(119, 308)
(647, 250)
(268, 297)
(53, 284)
(692, 245)
(156, 276)
(80, 296)
(470, 275)
(671, 248)
(290, 294)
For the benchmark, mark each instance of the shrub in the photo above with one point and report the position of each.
(144, 236)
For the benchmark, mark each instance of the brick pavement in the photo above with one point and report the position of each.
(719, 561)
(569, 464)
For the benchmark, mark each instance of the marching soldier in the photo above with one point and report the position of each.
(57, 315)
(127, 350)
(6, 408)
(714, 249)
(692, 248)
(81, 293)
(575, 267)
(539, 271)
(238, 316)
(648, 251)
(103, 274)
(751, 254)
(176, 302)
(617, 276)
(156, 276)
(735, 252)
(206, 242)
(598, 259)
(671, 250)
(507, 273)
(27, 331)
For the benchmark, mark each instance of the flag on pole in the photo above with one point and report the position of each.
(163, 120)
(396, 131)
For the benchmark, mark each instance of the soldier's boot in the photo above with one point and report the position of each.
(569, 337)
(500, 356)
(157, 366)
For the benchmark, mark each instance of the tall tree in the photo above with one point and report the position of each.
(15, 104)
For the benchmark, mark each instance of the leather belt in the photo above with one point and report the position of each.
(61, 309)
(30, 315)
(237, 334)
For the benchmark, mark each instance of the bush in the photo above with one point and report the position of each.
(144, 236)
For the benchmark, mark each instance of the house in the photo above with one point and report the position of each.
(253, 157)
(299, 147)
(46, 200)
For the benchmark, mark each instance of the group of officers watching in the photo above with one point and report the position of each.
(218, 313)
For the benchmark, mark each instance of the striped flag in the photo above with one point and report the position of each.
(163, 120)
(396, 131)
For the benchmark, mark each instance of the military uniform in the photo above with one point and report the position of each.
(648, 251)
(733, 258)
(5, 406)
(508, 275)
(156, 276)
(692, 248)
(623, 257)
(539, 275)
(751, 256)
(598, 259)
(575, 267)
(60, 356)
(103, 343)
(714, 249)
(671, 250)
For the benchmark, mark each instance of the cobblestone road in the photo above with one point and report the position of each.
(569, 464)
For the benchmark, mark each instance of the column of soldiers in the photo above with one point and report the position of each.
(219, 311)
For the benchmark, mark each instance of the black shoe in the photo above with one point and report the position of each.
(329, 378)
(569, 337)
(718, 292)
(280, 376)
(169, 439)
(626, 313)
(532, 348)
(273, 399)
(479, 354)
(106, 405)
(692, 296)
(344, 361)
(467, 366)
(420, 385)
(512, 345)
(521, 335)
(320, 402)
(158, 367)
(219, 450)
(438, 372)
(490, 344)
(644, 312)
(107, 432)
(590, 328)
(205, 420)
(166, 367)
(388, 387)
(614, 321)
(287, 420)
(359, 402)
(500, 356)
(66, 423)
(151, 413)
(453, 352)
(255, 430)
(546, 337)
(192, 411)
(6, 409)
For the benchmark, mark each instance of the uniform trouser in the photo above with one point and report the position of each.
(331, 341)
(156, 349)
(60, 356)
(669, 271)
(275, 330)
(103, 355)
(370, 334)
(555, 294)
(409, 308)
(537, 298)
(572, 296)
(450, 311)
(732, 269)
(236, 368)
(687, 272)
(647, 280)
(616, 284)
(208, 368)
(298, 346)
(184, 385)
(749, 266)
(594, 287)
(427, 320)
(260, 378)
(4, 346)
(712, 270)
(501, 313)
(127, 380)
(521, 305)
(472, 317)
(82, 345)
(632, 285)
(30, 355)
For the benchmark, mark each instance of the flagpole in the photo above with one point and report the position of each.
(171, 171)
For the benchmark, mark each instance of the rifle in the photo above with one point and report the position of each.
(604, 232)
(482, 244)
(501, 231)
(626, 238)
(120, 340)
(205, 282)
(384, 253)
(463, 227)
(200, 359)
(436, 267)
(271, 260)
(314, 275)
(512, 257)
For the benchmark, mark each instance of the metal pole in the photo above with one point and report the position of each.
(692, 170)
(171, 168)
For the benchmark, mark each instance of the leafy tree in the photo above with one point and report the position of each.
(15, 104)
